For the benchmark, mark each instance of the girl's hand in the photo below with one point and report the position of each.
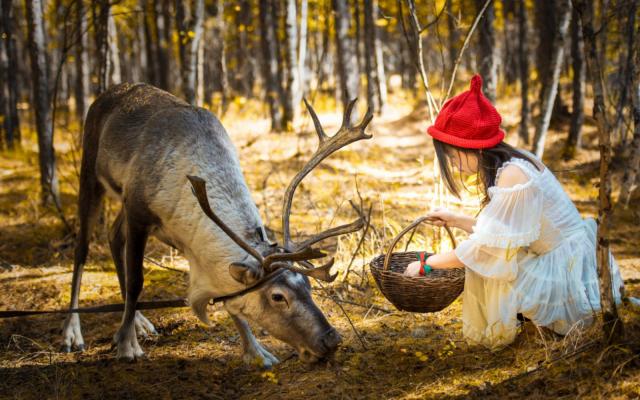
(442, 216)
(413, 269)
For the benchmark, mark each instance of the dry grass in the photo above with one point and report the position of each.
(407, 355)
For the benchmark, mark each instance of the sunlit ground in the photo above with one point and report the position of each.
(398, 355)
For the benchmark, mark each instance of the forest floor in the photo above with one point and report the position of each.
(398, 355)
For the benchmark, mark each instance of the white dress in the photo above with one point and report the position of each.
(530, 252)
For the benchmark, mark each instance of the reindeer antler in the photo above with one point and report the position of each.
(302, 252)
(199, 187)
(327, 146)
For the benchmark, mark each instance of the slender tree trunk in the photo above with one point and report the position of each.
(292, 86)
(82, 86)
(151, 38)
(244, 74)
(551, 86)
(41, 102)
(406, 70)
(224, 77)
(115, 74)
(6, 139)
(625, 71)
(487, 50)
(523, 58)
(454, 36)
(162, 20)
(613, 328)
(302, 51)
(574, 141)
(381, 78)
(630, 178)
(101, 10)
(369, 56)
(346, 52)
(13, 129)
(270, 63)
(189, 22)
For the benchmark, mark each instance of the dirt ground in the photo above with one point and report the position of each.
(396, 355)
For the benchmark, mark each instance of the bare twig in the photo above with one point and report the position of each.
(364, 346)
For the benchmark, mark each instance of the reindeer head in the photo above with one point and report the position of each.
(279, 298)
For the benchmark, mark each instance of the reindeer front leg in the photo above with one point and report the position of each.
(254, 352)
(125, 339)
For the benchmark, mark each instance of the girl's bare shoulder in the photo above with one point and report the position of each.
(511, 175)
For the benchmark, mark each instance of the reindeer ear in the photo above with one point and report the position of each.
(246, 273)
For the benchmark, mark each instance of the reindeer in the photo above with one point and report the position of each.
(143, 146)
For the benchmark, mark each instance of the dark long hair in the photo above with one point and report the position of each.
(489, 161)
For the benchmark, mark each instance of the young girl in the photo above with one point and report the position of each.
(528, 251)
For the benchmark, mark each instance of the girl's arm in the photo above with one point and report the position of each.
(442, 216)
(443, 260)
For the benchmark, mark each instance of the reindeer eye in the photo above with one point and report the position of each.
(277, 297)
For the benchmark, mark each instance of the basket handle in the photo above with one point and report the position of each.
(407, 229)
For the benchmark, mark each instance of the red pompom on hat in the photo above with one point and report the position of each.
(468, 120)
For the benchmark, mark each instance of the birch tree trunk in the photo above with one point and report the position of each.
(523, 58)
(270, 64)
(41, 102)
(302, 51)
(346, 52)
(189, 22)
(292, 86)
(487, 50)
(551, 86)
(613, 328)
(82, 86)
(630, 178)
(574, 141)
(115, 74)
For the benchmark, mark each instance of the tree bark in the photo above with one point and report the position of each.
(523, 58)
(41, 102)
(487, 50)
(454, 36)
(82, 84)
(551, 85)
(12, 119)
(270, 63)
(302, 51)
(346, 52)
(369, 56)
(115, 74)
(189, 22)
(574, 141)
(374, 63)
(613, 328)
(5, 118)
(162, 20)
(630, 178)
(244, 75)
(222, 55)
(101, 10)
(292, 86)
(626, 80)
(150, 42)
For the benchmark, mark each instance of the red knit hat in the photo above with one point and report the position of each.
(468, 120)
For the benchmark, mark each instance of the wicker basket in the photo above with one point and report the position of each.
(423, 294)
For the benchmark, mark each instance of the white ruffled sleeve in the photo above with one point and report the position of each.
(509, 222)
